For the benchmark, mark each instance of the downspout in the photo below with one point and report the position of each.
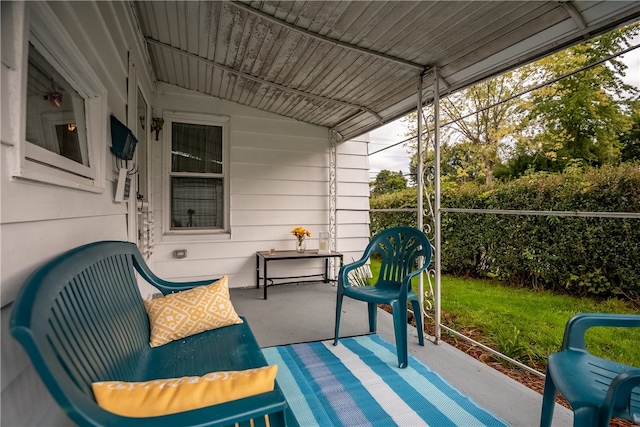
(436, 220)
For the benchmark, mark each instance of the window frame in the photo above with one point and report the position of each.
(200, 119)
(47, 35)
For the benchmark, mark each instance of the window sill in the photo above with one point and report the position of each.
(198, 236)
(57, 178)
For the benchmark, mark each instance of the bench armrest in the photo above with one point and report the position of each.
(165, 286)
(577, 326)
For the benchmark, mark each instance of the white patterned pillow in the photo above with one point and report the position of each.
(190, 312)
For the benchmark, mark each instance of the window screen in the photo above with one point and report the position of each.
(197, 176)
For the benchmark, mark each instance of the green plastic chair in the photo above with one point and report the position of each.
(405, 252)
(596, 388)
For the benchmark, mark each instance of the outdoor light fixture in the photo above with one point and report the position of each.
(156, 125)
(55, 98)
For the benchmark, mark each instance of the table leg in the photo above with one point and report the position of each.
(257, 271)
(264, 282)
(326, 270)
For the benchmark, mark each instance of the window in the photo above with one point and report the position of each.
(198, 174)
(64, 118)
(55, 119)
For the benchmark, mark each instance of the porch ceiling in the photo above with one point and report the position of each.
(353, 66)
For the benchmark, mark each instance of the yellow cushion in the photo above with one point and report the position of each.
(168, 396)
(189, 312)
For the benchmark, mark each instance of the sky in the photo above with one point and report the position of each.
(397, 158)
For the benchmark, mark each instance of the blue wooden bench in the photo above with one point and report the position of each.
(81, 319)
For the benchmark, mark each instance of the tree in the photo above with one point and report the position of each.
(496, 117)
(583, 115)
(482, 121)
(631, 139)
(589, 117)
(388, 182)
(458, 162)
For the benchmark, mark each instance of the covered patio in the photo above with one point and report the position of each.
(354, 66)
(310, 315)
(289, 85)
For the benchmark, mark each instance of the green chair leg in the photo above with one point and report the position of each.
(400, 328)
(338, 313)
(417, 314)
(586, 416)
(373, 316)
(548, 402)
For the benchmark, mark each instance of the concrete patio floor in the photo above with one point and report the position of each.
(306, 312)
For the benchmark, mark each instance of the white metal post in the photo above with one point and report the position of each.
(420, 184)
(436, 220)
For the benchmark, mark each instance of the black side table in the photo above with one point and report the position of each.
(291, 255)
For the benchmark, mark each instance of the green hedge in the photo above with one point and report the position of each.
(398, 200)
(584, 256)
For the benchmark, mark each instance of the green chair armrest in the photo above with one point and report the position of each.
(577, 326)
(343, 274)
(406, 282)
(619, 395)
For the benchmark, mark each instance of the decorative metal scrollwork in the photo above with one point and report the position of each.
(428, 214)
(333, 196)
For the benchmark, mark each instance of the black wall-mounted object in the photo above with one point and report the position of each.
(123, 143)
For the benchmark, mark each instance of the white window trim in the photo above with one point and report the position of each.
(46, 33)
(201, 119)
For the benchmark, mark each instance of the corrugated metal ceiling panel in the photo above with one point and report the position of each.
(353, 66)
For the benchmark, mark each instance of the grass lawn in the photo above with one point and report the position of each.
(528, 325)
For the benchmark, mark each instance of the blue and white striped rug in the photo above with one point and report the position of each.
(358, 383)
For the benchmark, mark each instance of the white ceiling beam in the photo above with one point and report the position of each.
(577, 17)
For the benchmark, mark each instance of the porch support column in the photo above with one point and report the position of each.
(420, 182)
(333, 196)
(436, 219)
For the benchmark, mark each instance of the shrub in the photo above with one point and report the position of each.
(406, 198)
(585, 256)
(580, 255)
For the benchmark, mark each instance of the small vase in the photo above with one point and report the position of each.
(301, 245)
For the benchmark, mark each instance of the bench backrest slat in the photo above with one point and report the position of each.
(87, 308)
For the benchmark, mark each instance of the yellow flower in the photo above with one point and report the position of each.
(300, 233)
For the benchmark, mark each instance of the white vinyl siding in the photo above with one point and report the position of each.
(279, 179)
(353, 197)
(38, 220)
